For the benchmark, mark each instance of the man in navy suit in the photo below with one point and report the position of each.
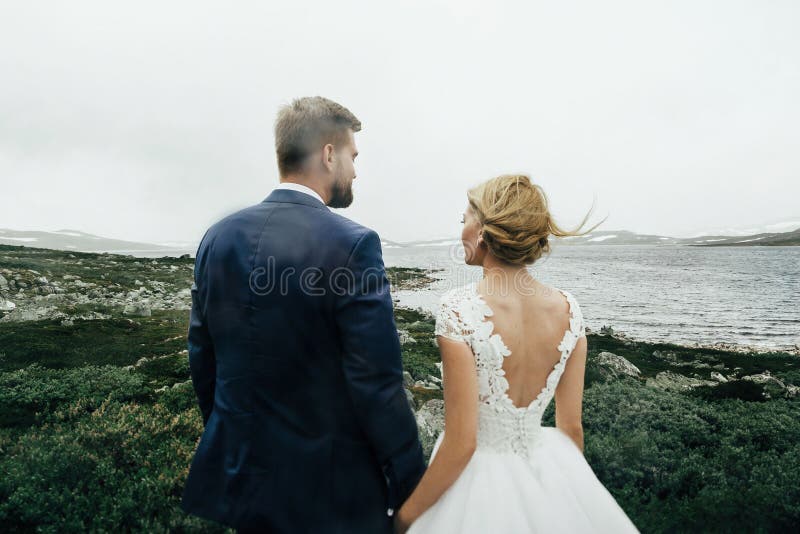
(294, 353)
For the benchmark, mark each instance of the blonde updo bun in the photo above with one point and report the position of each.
(515, 218)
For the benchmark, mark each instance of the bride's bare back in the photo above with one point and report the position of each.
(531, 324)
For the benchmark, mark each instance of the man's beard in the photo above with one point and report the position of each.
(341, 195)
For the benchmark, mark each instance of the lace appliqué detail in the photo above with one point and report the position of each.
(502, 426)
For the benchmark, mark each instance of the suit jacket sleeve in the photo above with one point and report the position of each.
(202, 362)
(373, 370)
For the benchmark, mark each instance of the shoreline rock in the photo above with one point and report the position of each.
(617, 365)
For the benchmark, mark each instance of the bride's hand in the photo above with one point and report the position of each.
(401, 523)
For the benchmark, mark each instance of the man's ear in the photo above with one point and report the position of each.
(328, 156)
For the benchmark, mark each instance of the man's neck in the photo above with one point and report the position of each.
(314, 187)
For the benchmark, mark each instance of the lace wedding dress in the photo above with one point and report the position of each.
(523, 477)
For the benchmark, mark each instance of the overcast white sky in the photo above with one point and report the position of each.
(150, 120)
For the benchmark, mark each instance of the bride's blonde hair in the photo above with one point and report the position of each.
(515, 218)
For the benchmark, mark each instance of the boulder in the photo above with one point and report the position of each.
(3, 283)
(405, 337)
(139, 310)
(774, 387)
(667, 356)
(408, 380)
(6, 305)
(718, 377)
(667, 380)
(617, 366)
(430, 422)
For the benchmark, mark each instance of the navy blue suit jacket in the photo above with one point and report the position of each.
(295, 361)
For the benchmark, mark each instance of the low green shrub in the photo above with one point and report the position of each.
(27, 395)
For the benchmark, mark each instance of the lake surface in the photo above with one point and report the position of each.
(746, 296)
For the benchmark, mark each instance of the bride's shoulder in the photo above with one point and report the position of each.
(576, 315)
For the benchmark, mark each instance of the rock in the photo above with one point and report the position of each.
(139, 310)
(35, 314)
(718, 377)
(3, 283)
(67, 322)
(184, 257)
(408, 380)
(6, 305)
(41, 281)
(668, 356)
(667, 380)
(773, 386)
(405, 337)
(607, 330)
(434, 380)
(617, 365)
(46, 290)
(430, 422)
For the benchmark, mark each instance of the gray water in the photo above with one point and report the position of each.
(747, 296)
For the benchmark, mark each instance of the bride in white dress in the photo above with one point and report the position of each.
(495, 469)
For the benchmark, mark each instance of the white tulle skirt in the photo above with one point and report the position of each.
(553, 491)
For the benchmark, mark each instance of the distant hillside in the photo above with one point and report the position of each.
(83, 242)
(72, 240)
(617, 237)
(773, 239)
(624, 237)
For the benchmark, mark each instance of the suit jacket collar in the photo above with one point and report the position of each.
(294, 197)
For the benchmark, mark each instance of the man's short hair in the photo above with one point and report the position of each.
(306, 125)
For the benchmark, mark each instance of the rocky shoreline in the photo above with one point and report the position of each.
(67, 289)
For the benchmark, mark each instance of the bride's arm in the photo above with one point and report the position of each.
(569, 394)
(460, 383)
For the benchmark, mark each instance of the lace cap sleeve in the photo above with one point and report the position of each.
(449, 322)
(577, 323)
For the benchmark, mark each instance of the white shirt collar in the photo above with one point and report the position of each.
(301, 188)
